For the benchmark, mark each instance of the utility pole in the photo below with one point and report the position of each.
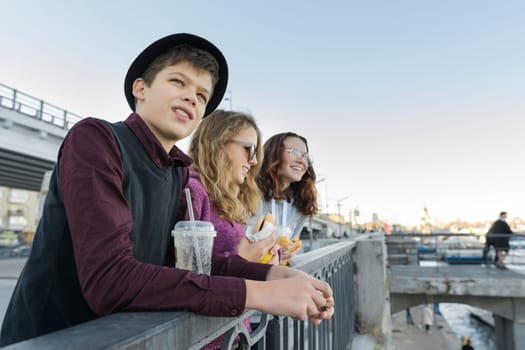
(325, 180)
(339, 212)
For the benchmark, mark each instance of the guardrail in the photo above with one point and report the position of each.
(184, 330)
(453, 248)
(33, 107)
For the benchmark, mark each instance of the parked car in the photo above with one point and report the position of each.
(9, 239)
(22, 251)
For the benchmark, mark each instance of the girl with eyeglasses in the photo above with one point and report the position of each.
(287, 182)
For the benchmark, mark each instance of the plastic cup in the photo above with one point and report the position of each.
(284, 231)
(185, 253)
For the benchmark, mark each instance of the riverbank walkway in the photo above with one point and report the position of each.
(414, 337)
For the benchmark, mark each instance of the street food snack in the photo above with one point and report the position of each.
(268, 219)
(285, 242)
(264, 227)
(266, 258)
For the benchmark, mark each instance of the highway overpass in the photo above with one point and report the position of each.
(31, 132)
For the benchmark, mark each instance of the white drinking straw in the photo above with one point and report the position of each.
(274, 214)
(285, 213)
(194, 231)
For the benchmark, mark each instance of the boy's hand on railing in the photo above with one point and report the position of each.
(325, 313)
(292, 293)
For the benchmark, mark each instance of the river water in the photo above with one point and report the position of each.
(463, 324)
(459, 319)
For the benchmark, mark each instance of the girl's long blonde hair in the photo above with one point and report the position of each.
(235, 203)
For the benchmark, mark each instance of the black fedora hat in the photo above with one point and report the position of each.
(162, 46)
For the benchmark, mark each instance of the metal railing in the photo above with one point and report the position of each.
(184, 330)
(453, 248)
(33, 107)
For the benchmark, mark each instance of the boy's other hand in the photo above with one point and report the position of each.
(299, 296)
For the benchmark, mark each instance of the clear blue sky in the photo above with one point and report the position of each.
(404, 103)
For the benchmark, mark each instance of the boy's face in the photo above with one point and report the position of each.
(173, 105)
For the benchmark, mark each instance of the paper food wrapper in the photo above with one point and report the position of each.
(266, 230)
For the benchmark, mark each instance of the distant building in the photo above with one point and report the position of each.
(18, 209)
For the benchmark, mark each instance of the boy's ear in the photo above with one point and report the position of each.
(138, 89)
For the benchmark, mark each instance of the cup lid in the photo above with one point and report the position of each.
(201, 227)
(284, 229)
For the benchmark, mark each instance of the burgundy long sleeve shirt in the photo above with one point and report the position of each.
(100, 220)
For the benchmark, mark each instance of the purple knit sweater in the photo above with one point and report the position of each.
(228, 233)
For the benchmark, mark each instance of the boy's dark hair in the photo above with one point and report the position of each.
(173, 49)
(183, 53)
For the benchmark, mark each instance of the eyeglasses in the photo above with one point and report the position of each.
(250, 147)
(298, 155)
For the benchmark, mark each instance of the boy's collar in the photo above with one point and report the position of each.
(156, 152)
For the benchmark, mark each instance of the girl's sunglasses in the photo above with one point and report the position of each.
(250, 147)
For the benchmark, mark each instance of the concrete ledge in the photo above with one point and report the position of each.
(177, 330)
(133, 330)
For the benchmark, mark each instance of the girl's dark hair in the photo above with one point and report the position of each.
(303, 193)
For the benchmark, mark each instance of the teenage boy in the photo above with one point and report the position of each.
(103, 242)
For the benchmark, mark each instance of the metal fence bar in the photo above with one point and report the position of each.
(336, 269)
(333, 334)
(36, 108)
(184, 330)
(333, 264)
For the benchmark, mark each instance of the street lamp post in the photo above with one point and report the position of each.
(325, 180)
(339, 212)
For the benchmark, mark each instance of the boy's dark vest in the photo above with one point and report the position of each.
(47, 296)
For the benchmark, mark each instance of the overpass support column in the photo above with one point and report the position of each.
(510, 334)
(519, 335)
(504, 333)
(372, 293)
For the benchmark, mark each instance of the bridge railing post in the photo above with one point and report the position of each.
(13, 101)
(40, 112)
(373, 290)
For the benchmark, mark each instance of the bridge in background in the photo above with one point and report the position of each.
(501, 292)
(31, 131)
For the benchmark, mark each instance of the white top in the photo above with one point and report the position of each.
(428, 315)
(285, 214)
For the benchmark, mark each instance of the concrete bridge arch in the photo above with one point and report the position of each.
(501, 292)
